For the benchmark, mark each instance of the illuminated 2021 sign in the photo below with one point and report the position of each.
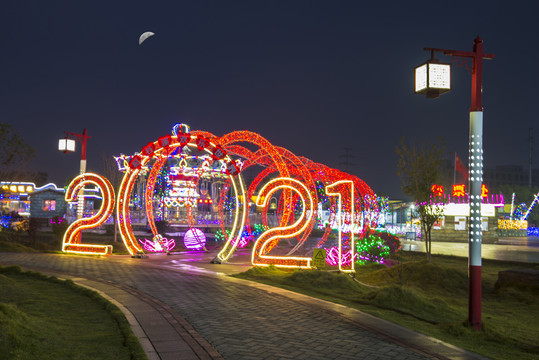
(296, 180)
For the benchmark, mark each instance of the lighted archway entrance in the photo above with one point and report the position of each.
(152, 158)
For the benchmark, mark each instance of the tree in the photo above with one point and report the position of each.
(15, 154)
(419, 169)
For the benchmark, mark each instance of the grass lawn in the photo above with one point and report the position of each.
(45, 318)
(429, 298)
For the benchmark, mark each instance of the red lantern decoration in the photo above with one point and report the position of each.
(148, 149)
(202, 142)
(218, 153)
(184, 138)
(165, 141)
(136, 162)
(232, 168)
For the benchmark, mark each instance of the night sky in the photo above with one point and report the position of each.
(311, 76)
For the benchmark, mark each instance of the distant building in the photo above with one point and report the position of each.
(47, 202)
(15, 197)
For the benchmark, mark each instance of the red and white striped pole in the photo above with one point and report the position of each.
(475, 161)
(475, 166)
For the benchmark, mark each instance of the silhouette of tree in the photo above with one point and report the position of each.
(419, 168)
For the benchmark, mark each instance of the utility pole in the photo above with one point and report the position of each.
(347, 157)
(530, 139)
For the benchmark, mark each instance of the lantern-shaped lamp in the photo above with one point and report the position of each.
(66, 145)
(432, 78)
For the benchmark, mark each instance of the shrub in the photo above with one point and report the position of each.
(390, 241)
(371, 249)
(33, 227)
(59, 226)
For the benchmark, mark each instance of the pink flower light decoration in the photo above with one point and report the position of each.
(158, 244)
(332, 256)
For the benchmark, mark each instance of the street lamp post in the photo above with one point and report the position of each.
(475, 161)
(68, 145)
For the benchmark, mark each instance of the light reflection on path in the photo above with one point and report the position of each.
(522, 250)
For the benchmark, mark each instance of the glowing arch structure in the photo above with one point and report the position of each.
(159, 149)
(298, 179)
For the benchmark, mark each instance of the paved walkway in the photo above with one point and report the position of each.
(182, 307)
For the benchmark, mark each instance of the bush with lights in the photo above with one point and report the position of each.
(249, 234)
(376, 247)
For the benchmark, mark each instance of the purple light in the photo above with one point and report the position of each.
(332, 256)
(194, 239)
(160, 244)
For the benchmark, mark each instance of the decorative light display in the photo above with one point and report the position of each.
(532, 205)
(72, 237)
(437, 190)
(371, 249)
(519, 211)
(459, 190)
(301, 184)
(512, 224)
(249, 233)
(165, 149)
(158, 244)
(533, 231)
(333, 258)
(194, 239)
(484, 191)
(344, 190)
(512, 206)
(268, 239)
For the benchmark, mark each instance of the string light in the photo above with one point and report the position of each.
(269, 238)
(72, 238)
(302, 183)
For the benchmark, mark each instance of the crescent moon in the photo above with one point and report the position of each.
(144, 36)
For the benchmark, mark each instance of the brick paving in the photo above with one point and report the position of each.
(187, 311)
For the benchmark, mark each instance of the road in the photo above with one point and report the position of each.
(509, 249)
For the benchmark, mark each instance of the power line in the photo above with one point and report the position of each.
(347, 156)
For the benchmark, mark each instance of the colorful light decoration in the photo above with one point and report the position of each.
(437, 190)
(158, 244)
(160, 148)
(303, 184)
(344, 190)
(512, 224)
(459, 190)
(372, 249)
(72, 237)
(333, 258)
(532, 205)
(194, 239)
(269, 238)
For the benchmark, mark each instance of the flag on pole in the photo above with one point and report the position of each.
(461, 168)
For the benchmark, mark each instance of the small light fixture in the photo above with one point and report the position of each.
(66, 145)
(432, 78)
